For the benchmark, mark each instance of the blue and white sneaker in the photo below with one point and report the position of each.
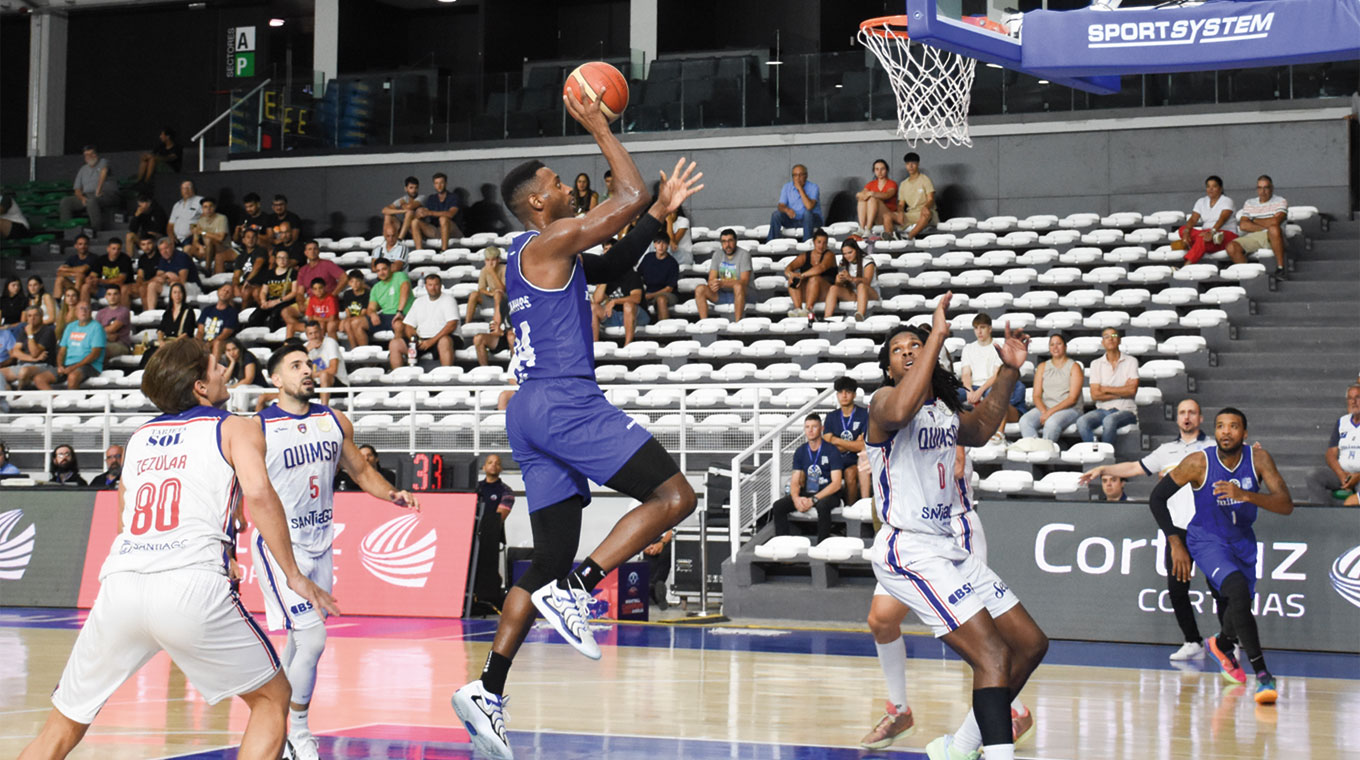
(483, 714)
(568, 610)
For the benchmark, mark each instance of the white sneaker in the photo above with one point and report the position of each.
(567, 611)
(483, 715)
(304, 745)
(1188, 650)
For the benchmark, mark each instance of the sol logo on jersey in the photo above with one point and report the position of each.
(392, 556)
(15, 551)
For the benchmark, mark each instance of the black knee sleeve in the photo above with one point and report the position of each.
(557, 531)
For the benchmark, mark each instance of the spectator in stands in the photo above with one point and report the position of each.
(660, 274)
(217, 323)
(177, 320)
(278, 291)
(353, 300)
(116, 319)
(432, 322)
(1114, 384)
(76, 268)
(1211, 225)
(810, 275)
(81, 355)
(323, 308)
(1057, 392)
(845, 429)
(620, 303)
(978, 365)
(208, 238)
(249, 268)
(65, 468)
(435, 217)
(184, 214)
(916, 211)
(285, 229)
(7, 468)
(495, 499)
(729, 278)
(390, 295)
(583, 198)
(66, 309)
(242, 366)
(143, 270)
(328, 363)
(166, 156)
(800, 205)
(677, 234)
(1113, 488)
(13, 223)
(12, 303)
(94, 190)
(113, 469)
(39, 297)
(35, 350)
(854, 280)
(815, 482)
(877, 202)
(1262, 221)
(608, 185)
(148, 221)
(172, 265)
(255, 220)
(112, 271)
(7, 343)
(331, 276)
(1340, 478)
(391, 249)
(490, 284)
(499, 338)
(402, 212)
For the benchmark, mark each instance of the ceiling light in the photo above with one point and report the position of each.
(276, 22)
(1043, 81)
(994, 66)
(774, 63)
(448, 1)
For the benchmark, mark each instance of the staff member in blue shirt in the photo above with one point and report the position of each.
(844, 429)
(815, 482)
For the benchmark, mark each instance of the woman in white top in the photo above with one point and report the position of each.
(1211, 225)
(854, 280)
(677, 229)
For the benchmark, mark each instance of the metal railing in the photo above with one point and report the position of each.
(198, 136)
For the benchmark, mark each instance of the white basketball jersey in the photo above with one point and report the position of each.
(303, 453)
(913, 472)
(179, 493)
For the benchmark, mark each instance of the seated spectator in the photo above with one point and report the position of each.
(608, 185)
(184, 215)
(435, 216)
(353, 301)
(391, 249)
(810, 275)
(729, 278)
(116, 319)
(1057, 392)
(490, 284)
(431, 322)
(113, 470)
(255, 220)
(277, 296)
(978, 365)
(800, 205)
(916, 211)
(677, 233)
(148, 221)
(249, 268)
(1113, 488)
(76, 268)
(331, 276)
(1340, 479)
(815, 482)
(877, 202)
(620, 303)
(323, 308)
(1262, 221)
(94, 191)
(208, 238)
(854, 280)
(112, 271)
(1114, 384)
(328, 364)
(172, 265)
(143, 270)
(35, 352)
(217, 323)
(65, 468)
(13, 301)
(66, 309)
(1211, 225)
(7, 468)
(845, 429)
(81, 353)
(178, 319)
(242, 366)
(7, 343)
(402, 212)
(499, 338)
(13, 223)
(390, 295)
(660, 274)
(582, 198)
(285, 229)
(39, 297)
(167, 156)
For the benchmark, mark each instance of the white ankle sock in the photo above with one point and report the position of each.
(892, 658)
(968, 737)
(999, 752)
(297, 720)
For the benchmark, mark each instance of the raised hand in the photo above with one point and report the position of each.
(939, 322)
(1091, 474)
(589, 115)
(679, 186)
(1015, 349)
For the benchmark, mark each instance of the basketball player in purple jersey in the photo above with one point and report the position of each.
(562, 430)
(1227, 481)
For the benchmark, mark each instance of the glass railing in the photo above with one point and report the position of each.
(427, 107)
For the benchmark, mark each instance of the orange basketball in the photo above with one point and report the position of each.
(588, 80)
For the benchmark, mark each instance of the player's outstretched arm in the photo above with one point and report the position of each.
(893, 407)
(625, 254)
(978, 426)
(1277, 500)
(364, 475)
(243, 447)
(1124, 470)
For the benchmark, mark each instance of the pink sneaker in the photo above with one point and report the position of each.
(1232, 672)
(892, 725)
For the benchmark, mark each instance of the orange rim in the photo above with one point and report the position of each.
(883, 26)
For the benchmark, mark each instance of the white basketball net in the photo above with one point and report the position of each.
(933, 86)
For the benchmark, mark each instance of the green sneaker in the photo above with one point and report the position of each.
(943, 749)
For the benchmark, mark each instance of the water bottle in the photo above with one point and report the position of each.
(411, 351)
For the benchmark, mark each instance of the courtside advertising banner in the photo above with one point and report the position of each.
(387, 560)
(1095, 571)
(42, 546)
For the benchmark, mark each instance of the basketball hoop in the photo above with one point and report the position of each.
(933, 86)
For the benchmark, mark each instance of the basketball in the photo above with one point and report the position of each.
(588, 80)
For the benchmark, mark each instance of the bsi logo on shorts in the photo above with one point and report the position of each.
(15, 551)
(392, 556)
(1345, 575)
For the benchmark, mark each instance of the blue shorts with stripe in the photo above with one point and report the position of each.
(941, 581)
(562, 433)
(1218, 558)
